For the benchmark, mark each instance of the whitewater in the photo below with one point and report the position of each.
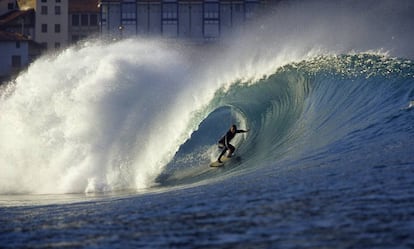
(107, 143)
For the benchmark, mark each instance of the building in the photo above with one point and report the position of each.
(83, 19)
(17, 28)
(62, 22)
(28, 27)
(54, 24)
(7, 6)
(195, 20)
(51, 28)
(19, 21)
(14, 50)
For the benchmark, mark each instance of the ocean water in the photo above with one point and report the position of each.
(107, 144)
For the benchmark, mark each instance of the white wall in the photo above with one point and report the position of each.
(51, 38)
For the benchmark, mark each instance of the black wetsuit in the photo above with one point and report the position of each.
(225, 141)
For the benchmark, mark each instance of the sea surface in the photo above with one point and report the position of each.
(108, 144)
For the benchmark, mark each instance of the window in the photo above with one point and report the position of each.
(94, 20)
(57, 44)
(251, 10)
(84, 19)
(170, 28)
(75, 20)
(169, 11)
(17, 44)
(211, 10)
(10, 6)
(170, 19)
(44, 1)
(211, 20)
(211, 29)
(104, 16)
(44, 28)
(57, 28)
(129, 11)
(58, 1)
(43, 10)
(16, 61)
(57, 10)
(238, 7)
(128, 18)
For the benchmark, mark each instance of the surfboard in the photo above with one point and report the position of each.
(224, 159)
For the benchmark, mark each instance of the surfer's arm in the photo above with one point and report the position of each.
(242, 131)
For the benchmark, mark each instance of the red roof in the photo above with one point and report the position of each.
(12, 15)
(9, 36)
(83, 6)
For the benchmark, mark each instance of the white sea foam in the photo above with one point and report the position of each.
(100, 117)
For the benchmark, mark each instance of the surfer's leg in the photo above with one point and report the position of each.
(231, 150)
(222, 153)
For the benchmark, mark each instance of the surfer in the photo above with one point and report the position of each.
(224, 142)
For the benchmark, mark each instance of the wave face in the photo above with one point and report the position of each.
(138, 113)
(328, 107)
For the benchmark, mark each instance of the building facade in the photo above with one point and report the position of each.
(17, 28)
(19, 21)
(195, 20)
(14, 51)
(52, 23)
(7, 6)
(29, 27)
(83, 19)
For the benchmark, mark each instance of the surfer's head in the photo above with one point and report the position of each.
(233, 128)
